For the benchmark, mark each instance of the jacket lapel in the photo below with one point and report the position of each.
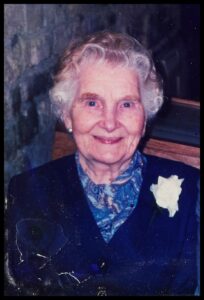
(82, 219)
(137, 226)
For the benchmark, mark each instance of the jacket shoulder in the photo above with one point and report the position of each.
(48, 167)
(43, 184)
(166, 167)
(44, 172)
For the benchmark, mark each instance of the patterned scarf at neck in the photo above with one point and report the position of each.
(111, 204)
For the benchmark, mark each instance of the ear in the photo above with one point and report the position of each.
(68, 122)
(144, 128)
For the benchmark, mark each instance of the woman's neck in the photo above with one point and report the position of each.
(101, 173)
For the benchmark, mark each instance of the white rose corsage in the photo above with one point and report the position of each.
(166, 193)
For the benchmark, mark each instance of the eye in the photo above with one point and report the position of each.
(91, 103)
(127, 104)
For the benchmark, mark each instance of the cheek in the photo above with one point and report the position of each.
(135, 125)
(82, 122)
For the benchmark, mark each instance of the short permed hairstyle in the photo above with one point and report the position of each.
(117, 49)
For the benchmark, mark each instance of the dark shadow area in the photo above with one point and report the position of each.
(176, 51)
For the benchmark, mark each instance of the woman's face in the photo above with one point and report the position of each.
(107, 116)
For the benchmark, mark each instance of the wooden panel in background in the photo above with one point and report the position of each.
(63, 145)
(179, 152)
(186, 102)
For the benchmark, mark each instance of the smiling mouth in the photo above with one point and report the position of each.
(109, 141)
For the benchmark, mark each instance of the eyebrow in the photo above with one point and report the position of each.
(131, 98)
(86, 96)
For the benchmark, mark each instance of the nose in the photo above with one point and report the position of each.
(109, 121)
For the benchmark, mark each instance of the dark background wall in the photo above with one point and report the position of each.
(36, 34)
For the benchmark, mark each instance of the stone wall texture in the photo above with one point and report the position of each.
(34, 37)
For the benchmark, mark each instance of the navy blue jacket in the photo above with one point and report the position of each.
(55, 247)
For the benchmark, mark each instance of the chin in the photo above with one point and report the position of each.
(108, 158)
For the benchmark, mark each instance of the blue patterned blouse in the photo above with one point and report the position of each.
(111, 204)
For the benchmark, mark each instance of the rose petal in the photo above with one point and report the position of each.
(167, 192)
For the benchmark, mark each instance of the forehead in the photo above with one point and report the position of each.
(104, 78)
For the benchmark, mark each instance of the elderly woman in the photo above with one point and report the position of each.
(107, 220)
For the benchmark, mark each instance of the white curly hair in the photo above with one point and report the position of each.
(117, 49)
